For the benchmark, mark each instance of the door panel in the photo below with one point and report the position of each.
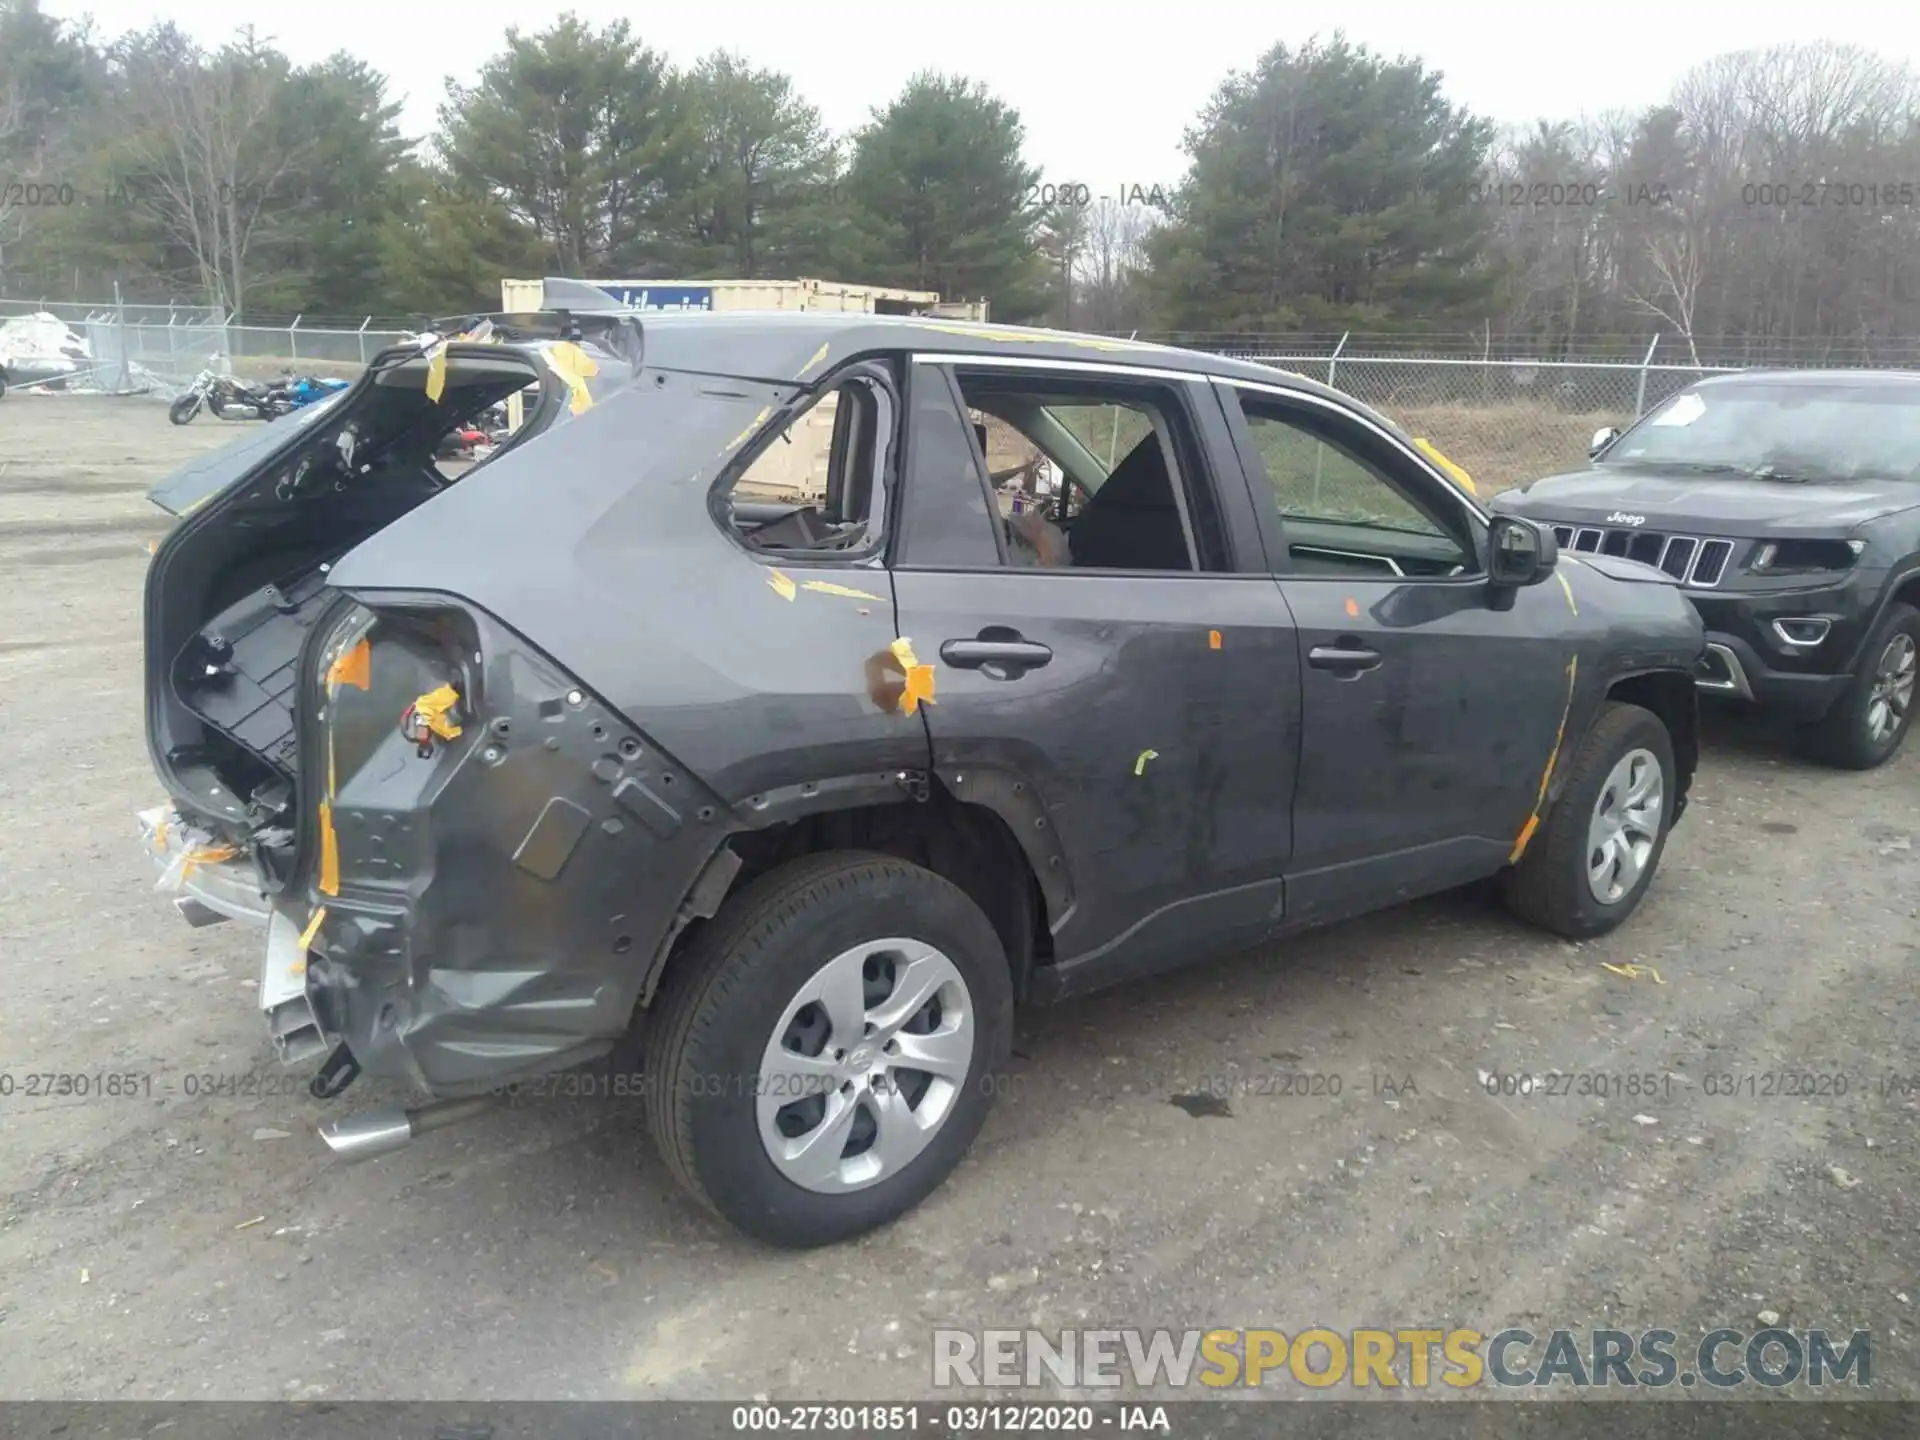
(1159, 738)
(1420, 770)
(1429, 712)
(1138, 729)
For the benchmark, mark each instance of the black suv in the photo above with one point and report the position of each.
(729, 707)
(1788, 504)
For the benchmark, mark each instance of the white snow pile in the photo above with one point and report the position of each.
(41, 346)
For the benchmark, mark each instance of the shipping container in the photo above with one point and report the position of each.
(520, 296)
(796, 472)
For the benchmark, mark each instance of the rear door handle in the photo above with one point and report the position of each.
(1346, 660)
(1010, 657)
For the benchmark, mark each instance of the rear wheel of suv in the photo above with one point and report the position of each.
(1596, 851)
(1870, 719)
(824, 1054)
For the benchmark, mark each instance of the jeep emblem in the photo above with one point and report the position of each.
(1620, 517)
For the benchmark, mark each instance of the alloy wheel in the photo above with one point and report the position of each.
(1625, 826)
(865, 1065)
(1891, 695)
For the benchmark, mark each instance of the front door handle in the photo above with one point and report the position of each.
(1346, 659)
(999, 658)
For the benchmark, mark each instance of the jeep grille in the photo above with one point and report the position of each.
(1688, 558)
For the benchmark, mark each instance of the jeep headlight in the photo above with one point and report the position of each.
(1783, 557)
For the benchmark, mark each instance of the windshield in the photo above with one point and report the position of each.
(1787, 431)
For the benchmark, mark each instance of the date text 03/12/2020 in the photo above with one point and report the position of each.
(28, 1085)
(936, 1418)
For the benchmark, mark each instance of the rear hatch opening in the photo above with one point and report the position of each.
(235, 588)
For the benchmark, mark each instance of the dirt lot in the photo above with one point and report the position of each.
(201, 1245)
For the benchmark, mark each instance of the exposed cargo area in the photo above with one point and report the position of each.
(237, 586)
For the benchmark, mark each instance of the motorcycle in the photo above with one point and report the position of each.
(224, 396)
(289, 394)
(309, 388)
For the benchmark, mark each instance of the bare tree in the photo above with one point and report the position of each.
(199, 133)
(1679, 262)
(10, 127)
(1112, 258)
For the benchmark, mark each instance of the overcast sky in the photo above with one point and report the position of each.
(1105, 90)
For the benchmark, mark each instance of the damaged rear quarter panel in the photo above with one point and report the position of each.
(594, 563)
(596, 543)
(499, 897)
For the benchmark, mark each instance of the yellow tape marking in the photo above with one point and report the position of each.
(781, 584)
(1566, 586)
(752, 425)
(975, 332)
(827, 587)
(919, 684)
(432, 708)
(329, 852)
(437, 374)
(818, 356)
(1539, 804)
(313, 928)
(1140, 765)
(1634, 972)
(1452, 471)
(354, 668)
(574, 365)
(206, 855)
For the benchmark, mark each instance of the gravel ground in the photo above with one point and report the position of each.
(175, 1245)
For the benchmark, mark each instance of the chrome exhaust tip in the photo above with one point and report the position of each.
(380, 1132)
(361, 1137)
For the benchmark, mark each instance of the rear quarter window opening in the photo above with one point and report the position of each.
(816, 482)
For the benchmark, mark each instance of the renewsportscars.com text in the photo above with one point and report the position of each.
(1412, 1358)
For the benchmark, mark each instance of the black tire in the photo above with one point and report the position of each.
(3, 384)
(183, 409)
(1841, 737)
(1549, 887)
(710, 1024)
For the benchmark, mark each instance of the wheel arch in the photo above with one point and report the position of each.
(1902, 586)
(1672, 697)
(1905, 590)
(970, 844)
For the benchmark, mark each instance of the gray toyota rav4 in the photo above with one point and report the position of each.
(729, 708)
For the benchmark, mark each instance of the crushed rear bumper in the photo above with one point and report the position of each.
(210, 882)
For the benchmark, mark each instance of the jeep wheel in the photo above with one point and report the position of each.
(1590, 864)
(1870, 719)
(824, 1053)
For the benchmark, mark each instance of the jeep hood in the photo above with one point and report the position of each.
(1735, 506)
(1618, 567)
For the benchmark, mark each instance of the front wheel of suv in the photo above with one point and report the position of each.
(826, 1051)
(1870, 719)
(1594, 856)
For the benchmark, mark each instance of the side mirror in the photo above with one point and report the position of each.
(1601, 439)
(1520, 552)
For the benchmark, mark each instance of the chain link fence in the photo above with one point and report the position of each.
(1505, 421)
(158, 349)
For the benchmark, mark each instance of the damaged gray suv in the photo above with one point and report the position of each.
(729, 706)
